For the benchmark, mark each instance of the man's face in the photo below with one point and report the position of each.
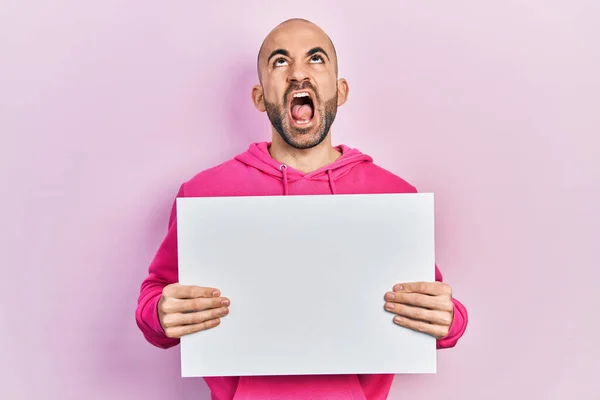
(300, 91)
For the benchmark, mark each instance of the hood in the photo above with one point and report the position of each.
(257, 156)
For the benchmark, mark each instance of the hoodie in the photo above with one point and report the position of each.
(255, 173)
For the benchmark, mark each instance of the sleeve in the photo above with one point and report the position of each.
(163, 270)
(459, 323)
(460, 320)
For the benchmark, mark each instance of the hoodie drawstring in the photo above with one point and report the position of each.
(331, 184)
(283, 169)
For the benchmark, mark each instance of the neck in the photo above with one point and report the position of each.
(304, 160)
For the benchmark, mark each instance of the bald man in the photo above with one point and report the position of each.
(300, 91)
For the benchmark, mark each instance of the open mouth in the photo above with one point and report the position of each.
(302, 109)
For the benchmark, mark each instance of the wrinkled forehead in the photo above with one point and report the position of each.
(296, 39)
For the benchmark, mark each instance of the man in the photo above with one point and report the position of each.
(300, 92)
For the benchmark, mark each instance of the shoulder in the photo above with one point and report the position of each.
(384, 180)
(210, 181)
(213, 181)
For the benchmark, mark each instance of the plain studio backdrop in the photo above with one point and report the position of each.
(107, 106)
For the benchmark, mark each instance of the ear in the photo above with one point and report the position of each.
(258, 98)
(342, 91)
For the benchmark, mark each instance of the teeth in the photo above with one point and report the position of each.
(303, 94)
(302, 122)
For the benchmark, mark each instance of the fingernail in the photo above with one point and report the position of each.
(389, 306)
(389, 296)
(215, 293)
(225, 302)
(397, 319)
(398, 288)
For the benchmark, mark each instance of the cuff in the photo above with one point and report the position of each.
(457, 327)
(151, 327)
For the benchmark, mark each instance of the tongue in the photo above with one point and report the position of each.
(302, 112)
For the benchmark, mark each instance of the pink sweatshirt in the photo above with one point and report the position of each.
(255, 173)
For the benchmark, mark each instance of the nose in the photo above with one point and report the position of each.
(297, 74)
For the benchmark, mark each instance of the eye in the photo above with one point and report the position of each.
(316, 58)
(279, 62)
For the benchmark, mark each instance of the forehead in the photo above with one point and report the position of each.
(296, 38)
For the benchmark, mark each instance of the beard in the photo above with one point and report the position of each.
(303, 138)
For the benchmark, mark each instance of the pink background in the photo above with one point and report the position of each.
(107, 106)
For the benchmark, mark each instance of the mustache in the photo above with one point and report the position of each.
(302, 86)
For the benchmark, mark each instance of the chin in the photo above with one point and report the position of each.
(304, 138)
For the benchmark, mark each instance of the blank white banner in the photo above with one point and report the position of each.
(306, 276)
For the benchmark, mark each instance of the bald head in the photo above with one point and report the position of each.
(289, 33)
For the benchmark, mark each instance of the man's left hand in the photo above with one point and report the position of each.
(422, 306)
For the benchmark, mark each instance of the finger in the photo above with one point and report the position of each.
(440, 303)
(180, 291)
(179, 331)
(172, 305)
(430, 288)
(421, 314)
(434, 330)
(181, 319)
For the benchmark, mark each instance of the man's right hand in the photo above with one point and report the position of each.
(183, 310)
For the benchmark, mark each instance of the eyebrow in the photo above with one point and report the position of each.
(286, 53)
(282, 52)
(316, 50)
